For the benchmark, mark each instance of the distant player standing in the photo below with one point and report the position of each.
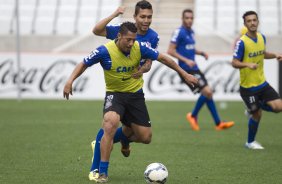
(143, 17)
(255, 91)
(182, 47)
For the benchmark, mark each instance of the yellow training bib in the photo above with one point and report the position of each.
(253, 53)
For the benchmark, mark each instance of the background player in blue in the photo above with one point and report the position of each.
(124, 99)
(182, 47)
(255, 91)
(143, 17)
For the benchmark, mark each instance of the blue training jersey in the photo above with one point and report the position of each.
(185, 46)
(102, 56)
(151, 37)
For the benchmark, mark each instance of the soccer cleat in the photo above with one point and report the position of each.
(224, 125)
(102, 179)
(125, 149)
(193, 122)
(254, 145)
(93, 143)
(93, 175)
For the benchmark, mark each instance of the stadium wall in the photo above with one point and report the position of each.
(43, 76)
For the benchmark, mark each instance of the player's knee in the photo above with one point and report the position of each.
(256, 115)
(207, 92)
(277, 108)
(146, 139)
(109, 128)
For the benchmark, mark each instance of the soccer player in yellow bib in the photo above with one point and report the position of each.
(257, 94)
(124, 100)
(143, 15)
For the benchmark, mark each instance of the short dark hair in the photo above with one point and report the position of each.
(186, 11)
(143, 4)
(127, 26)
(249, 13)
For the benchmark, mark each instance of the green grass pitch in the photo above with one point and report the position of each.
(45, 141)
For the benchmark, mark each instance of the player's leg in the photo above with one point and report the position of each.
(94, 170)
(193, 116)
(220, 125)
(276, 105)
(271, 99)
(125, 140)
(251, 100)
(253, 125)
(113, 112)
(142, 134)
(110, 124)
(137, 117)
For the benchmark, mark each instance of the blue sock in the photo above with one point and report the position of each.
(97, 152)
(212, 108)
(199, 104)
(266, 107)
(104, 168)
(123, 138)
(253, 127)
(118, 135)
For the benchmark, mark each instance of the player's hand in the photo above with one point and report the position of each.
(119, 11)
(190, 63)
(279, 58)
(205, 55)
(190, 79)
(252, 66)
(137, 74)
(67, 90)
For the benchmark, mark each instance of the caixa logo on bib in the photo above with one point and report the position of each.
(39, 79)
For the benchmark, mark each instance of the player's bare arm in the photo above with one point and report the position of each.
(100, 27)
(143, 69)
(238, 64)
(172, 51)
(269, 55)
(279, 57)
(202, 53)
(189, 79)
(78, 70)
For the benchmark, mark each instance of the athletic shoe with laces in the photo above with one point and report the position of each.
(125, 149)
(253, 145)
(103, 178)
(93, 143)
(193, 122)
(93, 175)
(224, 125)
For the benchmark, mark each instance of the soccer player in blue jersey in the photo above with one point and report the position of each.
(124, 100)
(257, 94)
(143, 17)
(182, 47)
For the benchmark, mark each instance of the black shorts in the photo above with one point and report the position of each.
(202, 81)
(130, 106)
(254, 99)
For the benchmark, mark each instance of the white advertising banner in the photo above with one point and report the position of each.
(43, 77)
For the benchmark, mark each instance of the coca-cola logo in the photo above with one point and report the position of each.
(50, 79)
(221, 76)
